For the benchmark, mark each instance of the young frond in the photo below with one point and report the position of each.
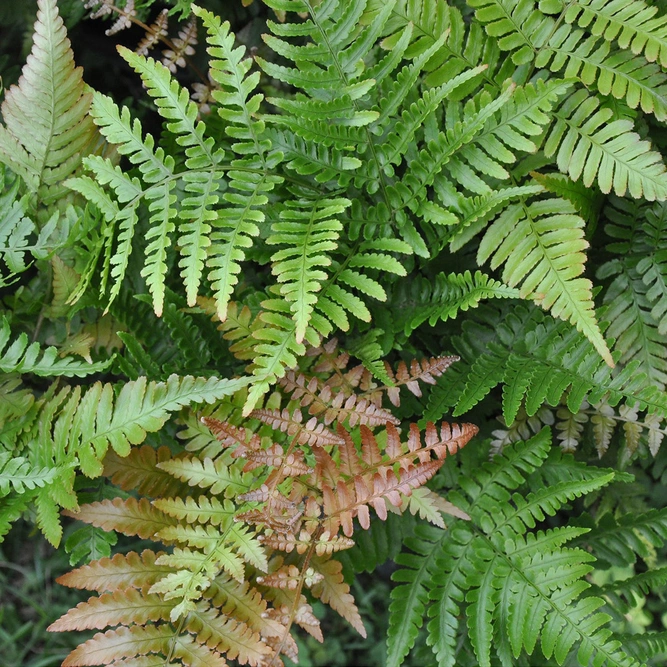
(255, 529)
(47, 128)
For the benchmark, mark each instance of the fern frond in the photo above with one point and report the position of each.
(47, 127)
(632, 23)
(451, 293)
(117, 573)
(588, 146)
(616, 73)
(637, 250)
(121, 607)
(309, 230)
(216, 475)
(21, 357)
(566, 359)
(130, 517)
(541, 245)
(17, 474)
(518, 26)
(124, 642)
(410, 598)
(333, 591)
(620, 541)
(495, 572)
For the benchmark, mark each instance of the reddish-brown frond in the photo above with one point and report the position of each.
(119, 572)
(349, 457)
(156, 31)
(303, 617)
(129, 516)
(183, 46)
(311, 432)
(123, 642)
(138, 472)
(333, 590)
(287, 576)
(223, 634)
(426, 371)
(329, 406)
(351, 499)
(121, 607)
(291, 465)
(230, 435)
(258, 539)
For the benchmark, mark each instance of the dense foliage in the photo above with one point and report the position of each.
(232, 325)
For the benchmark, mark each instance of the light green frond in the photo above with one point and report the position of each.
(235, 227)
(47, 127)
(590, 144)
(202, 510)
(17, 474)
(238, 104)
(632, 23)
(96, 419)
(617, 73)
(410, 192)
(19, 356)
(119, 129)
(587, 201)
(541, 245)
(173, 103)
(217, 475)
(276, 348)
(310, 231)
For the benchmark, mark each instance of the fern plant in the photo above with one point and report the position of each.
(483, 178)
(358, 145)
(522, 591)
(256, 517)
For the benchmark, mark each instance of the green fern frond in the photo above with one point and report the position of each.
(630, 311)
(513, 586)
(19, 356)
(410, 598)
(631, 23)
(47, 127)
(540, 359)
(619, 541)
(16, 474)
(587, 201)
(447, 294)
(616, 73)
(588, 146)
(541, 245)
(310, 230)
(518, 26)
